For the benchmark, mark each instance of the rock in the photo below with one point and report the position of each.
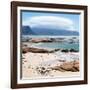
(67, 66)
(73, 50)
(76, 65)
(55, 50)
(43, 70)
(37, 50)
(72, 66)
(34, 50)
(58, 68)
(41, 40)
(65, 50)
(62, 60)
(25, 50)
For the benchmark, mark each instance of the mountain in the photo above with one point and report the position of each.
(26, 30)
(49, 31)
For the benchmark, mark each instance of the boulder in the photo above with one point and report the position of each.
(25, 50)
(72, 66)
(76, 65)
(73, 50)
(65, 50)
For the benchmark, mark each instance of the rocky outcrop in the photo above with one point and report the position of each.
(72, 66)
(55, 50)
(34, 50)
(41, 40)
(73, 50)
(67, 50)
(26, 49)
(37, 50)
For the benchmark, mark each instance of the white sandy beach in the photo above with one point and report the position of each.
(31, 61)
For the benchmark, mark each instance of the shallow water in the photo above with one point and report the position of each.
(58, 45)
(67, 42)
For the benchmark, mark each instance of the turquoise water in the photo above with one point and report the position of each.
(55, 45)
(58, 45)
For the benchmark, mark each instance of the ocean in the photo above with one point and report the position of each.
(69, 42)
(57, 45)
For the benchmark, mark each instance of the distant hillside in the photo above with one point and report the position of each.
(26, 30)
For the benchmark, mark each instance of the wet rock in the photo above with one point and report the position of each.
(73, 50)
(37, 50)
(65, 50)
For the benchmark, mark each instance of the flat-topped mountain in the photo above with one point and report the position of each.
(27, 30)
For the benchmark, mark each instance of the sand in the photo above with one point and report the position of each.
(32, 61)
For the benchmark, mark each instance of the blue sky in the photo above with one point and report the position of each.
(58, 19)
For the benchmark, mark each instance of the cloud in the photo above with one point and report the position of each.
(50, 22)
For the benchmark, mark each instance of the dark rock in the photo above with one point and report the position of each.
(34, 50)
(25, 50)
(55, 50)
(73, 50)
(65, 50)
(42, 70)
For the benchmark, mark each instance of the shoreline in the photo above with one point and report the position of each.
(40, 62)
(32, 64)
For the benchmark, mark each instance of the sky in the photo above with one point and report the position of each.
(66, 21)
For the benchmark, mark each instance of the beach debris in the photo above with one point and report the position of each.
(43, 70)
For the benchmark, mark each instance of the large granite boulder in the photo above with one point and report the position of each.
(72, 66)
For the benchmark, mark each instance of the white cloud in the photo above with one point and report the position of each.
(50, 22)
